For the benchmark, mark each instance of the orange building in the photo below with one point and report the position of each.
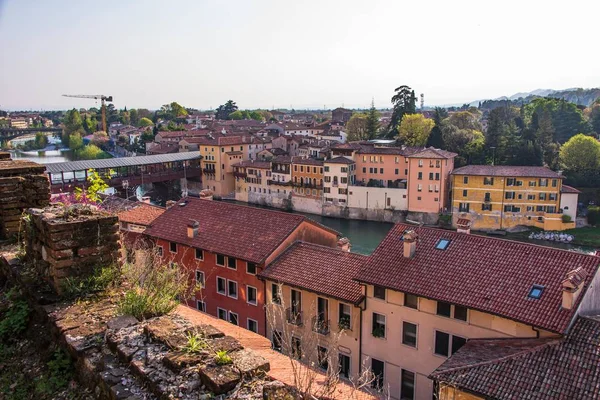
(388, 166)
(307, 177)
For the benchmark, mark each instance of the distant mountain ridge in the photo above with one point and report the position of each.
(579, 96)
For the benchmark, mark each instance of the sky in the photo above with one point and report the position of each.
(284, 53)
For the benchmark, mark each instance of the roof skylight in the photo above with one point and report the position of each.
(442, 244)
(536, 291)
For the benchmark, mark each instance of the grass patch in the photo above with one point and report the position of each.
(14, 315)
(195, 343)
(222, 358)
(586, 236)
(80, 287)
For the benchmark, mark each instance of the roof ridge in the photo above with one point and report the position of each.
(495, 239)
(548, 342)
(328, 248)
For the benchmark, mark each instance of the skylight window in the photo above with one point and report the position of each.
(442, 244)
(536, 291)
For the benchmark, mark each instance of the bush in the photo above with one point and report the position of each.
(195, 343)
(445, 219)
(155, 288)
(60, 372)
(101, 280)
(222, 358)
(566, 218)
(14, 319)
(593, 215)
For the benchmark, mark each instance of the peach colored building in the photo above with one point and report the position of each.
(386, 165)
(428, 291)
(429, 180)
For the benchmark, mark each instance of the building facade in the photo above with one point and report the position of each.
(339, 175)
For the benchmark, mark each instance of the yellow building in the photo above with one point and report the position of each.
(219, 154)
(502, 197)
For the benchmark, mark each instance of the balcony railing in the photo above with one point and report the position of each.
(308, 185)
(294, 317)
(320, 325)
(239, 174)
(208, 171)
(280, 183)
(335, 184)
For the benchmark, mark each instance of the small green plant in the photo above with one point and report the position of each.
(222, 358)
(96, 186)
(379, 331)
(14, 320)
(195, 343)
(101, 280)
(60, 372)
(344, 322)
(566, 218)
(445, 219)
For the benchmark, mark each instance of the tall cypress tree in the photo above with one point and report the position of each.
(372, 122)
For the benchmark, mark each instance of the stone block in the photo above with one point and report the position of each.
(250, 363)
(206, 331)
(219, 379)
(178, 360)
(121, 322)
(279, 391)
(165, 330)
(225, 343)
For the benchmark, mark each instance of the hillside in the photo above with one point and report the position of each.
(579, 96)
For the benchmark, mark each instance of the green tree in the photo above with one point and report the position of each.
(404, 102)
(224, 110)
(144, 122)
(236, 115)
(125, 117)
(257, 116)
(414, 129)
(96, 186)
(373, 124)
(466, 120)
(580, 153)
(41, 140)
(90, 152)
(75, 142)
(134, 117)
(356, 127)
(435, 138)
(567, 118)
(595, 118)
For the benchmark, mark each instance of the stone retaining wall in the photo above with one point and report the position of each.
(70, 242)
(23, 184)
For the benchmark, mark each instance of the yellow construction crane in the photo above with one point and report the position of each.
(100, 97)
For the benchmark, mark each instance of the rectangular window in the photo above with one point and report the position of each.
(552, 196)
(510, 181)
(531, 197)
(251, 294)
(465, 180)
(296, 348)
(378, 328)
(199, 254)
(460, 312)
(411, 301)
(326, 169)
(488, 181)
(221, 260)
(221, 283)
(543, 182)
(457, 343)
(419, 188)
(542, 196)
(232, 289)
(233, 318)
(464, 193)
(431, 176)
(406, 172)
(200, 306)
(252, 325)
(509, 195)
(276, 341)
(159, 250)
(379, 292)
(377, 369)
(554, 182)
(407, 385)
(396, 171)
(200, 278)
(344, 316)
(322, 358)
(463, 207)
(344, 361)
(409, 334)
(486, 207)
(442, 343)
(231, 263)
(251, 268)
(420, 176)
(173, 247)
(443, 309)
(222, 314)
(364, 170)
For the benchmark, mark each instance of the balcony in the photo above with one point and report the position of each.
(335, 184)
(293, 317)
(240, 174)
(320, 325)
(279, 183)
(308, 185)
(208, 171)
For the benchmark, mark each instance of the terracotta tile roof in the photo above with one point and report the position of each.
(567, 368)
(431, 152)
(402, 151)
(339, 160)
(488, 274)
(568, 189)
(282, 159)
(164, 148)
(306, 161)
(319, 269)
(141, 214)
(506, 170)
(244, 232)
(253, 163)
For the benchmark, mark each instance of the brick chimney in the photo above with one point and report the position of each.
(463, 225)
(571, 287)
(410, 243)
(192, 228)
(344, 244)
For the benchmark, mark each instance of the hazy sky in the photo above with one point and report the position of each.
(286, 53)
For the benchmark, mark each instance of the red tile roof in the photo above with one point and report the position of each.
(306, 161)
(141, 214)
(431, 152)
(537, 369)
(506, 170)
(319, 269)
(568, 189)
(488, 274)
(253, 163)
(339, 160)
(244, 232)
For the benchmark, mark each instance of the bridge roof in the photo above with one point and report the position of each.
(71, 166)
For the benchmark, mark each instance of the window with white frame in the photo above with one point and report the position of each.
(200, 305)
(252, 325)
(251, 294)
(199, 278)
(232, 289)
(233, 318)
(222, 313)
(221, 286)
(251, 268)
(199, 254)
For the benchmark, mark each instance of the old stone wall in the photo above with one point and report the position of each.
(23, 184)
(70, 242)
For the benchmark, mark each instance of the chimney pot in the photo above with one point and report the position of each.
(192, 228)
(344, 244)
(410, 243)
(571, 287)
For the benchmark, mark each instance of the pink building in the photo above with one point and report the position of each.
(429, 179)
(386, 165)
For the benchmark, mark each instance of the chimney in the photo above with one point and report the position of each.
(170, 203)
(571, 287)
(192, 228)
(344, 244)
(206, 194)
(463, 225)
(410, 243)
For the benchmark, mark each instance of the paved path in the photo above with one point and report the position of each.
(281, 365)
